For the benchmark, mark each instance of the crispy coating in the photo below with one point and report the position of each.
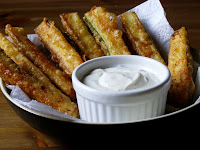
(19, 38)
(12, 74)
(138, 37)
(180, 66)
(54, 40)
(103, 25)
(78, 31)
(23, 62)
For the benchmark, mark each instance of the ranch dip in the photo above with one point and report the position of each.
(120, 78)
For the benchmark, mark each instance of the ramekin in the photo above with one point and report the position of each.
(124, 106)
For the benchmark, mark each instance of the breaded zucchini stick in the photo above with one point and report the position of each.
(23, 62)
(138, 37)
(103, 25)
(19, 38)
(180, 65)
(13, 52)
(54, 40)
(12, 74)
(78, 31)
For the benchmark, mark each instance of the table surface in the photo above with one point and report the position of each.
(14, 132)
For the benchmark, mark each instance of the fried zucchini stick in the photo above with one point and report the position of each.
(12, 74)
(103, 25)
(13, 52)
(78, 31)
(19, 38)
(54, 40)
(180, 65)
(138, 37)
(23, 62)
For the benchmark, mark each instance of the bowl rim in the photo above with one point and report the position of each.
(79, 84)
(4, 91)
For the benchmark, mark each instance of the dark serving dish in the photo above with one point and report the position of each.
(53, 125)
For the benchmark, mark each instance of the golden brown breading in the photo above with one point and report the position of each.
(139, 38)
(54, 40)
(12, 74)
(19, 38)
(77, 31)
(23, 62)
(180, 66)
(103, 25)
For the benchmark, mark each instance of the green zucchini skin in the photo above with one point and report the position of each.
(97, 36)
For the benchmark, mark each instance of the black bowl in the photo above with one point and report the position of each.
(71, 132)
(41, 121)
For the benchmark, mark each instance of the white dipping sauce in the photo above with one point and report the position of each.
(120, 78)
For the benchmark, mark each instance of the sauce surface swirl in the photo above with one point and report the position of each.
(120, 78)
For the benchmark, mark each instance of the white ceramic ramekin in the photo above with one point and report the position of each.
(124, 106)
